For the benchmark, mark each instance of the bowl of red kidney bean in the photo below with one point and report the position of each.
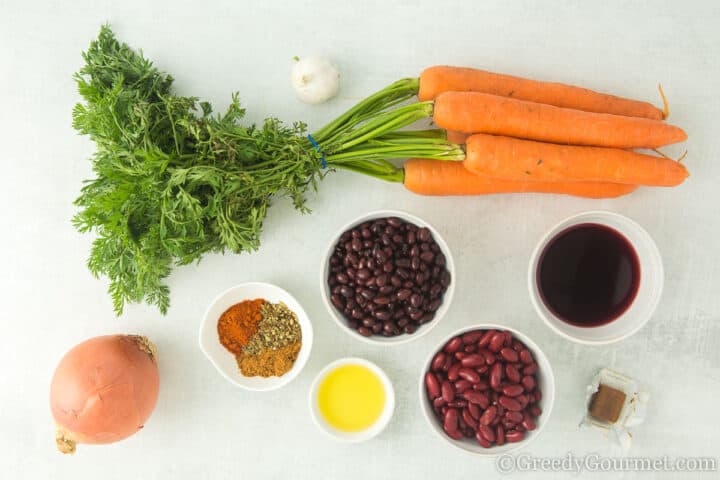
(387, 277)
(488, 390)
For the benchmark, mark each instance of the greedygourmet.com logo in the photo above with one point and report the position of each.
(595, 463)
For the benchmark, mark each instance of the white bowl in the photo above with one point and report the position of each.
(545, 380)
(404, 337)
(374, 429)
(646, 299)
(224, 361)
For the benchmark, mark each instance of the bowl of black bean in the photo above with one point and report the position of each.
(387, 277)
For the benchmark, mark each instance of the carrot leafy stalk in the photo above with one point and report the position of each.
(173, 181)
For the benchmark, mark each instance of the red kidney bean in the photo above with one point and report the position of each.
(470, 348)
(487, 432)
(438, 361)
(512, 374)
(474, 360)
(494, 402)
(488, 415)
(462, 386)
(450, 421)
(485, 339)
(468, 419)
(512, 390)
(447, 391)
(432, 385)
(453, 345)
(538, 394)
(496, 373)
(496, 342)
(509, 354)
(474, 410)
(528, 382)
(469, 374)
(477, 398)
(525, 356)
(470, 338)
(499, 435)
(514, 417)
(513, 436)
(482, 440)
(531, 369)
(528, 423)
(509, 403)
(489, 356)
(453, 371)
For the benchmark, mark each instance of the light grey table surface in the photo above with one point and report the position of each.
(203, 427)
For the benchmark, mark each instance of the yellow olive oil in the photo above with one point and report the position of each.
(351, 398)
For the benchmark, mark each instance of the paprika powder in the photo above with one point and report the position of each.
(238, 324)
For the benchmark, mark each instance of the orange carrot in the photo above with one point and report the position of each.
(457, 137)
(447, 177)
(436, 80)
(525, 160)
(474, 112)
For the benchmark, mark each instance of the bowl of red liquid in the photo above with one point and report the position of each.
(596, 277)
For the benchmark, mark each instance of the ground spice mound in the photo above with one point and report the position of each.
(269, 363)
(274, 347)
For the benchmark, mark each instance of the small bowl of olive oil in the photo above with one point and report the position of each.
(352, 400)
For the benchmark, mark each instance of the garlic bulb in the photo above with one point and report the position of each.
(315, 79)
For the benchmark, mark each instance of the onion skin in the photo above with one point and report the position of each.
(104, 390)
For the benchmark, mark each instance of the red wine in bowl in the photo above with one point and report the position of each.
(588, 275)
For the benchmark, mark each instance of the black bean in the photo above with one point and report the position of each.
(403, 273)
(440, 259)
(416, 300)
(402, 321)
(342, 278)
(382, 314)
(426, 318)
(353, 324)
(403, 294)
(365, 232)
(434, 305)
(356, 244)
(377, 328)
(395, 222)
(381, 280)
(386, 290)
(402, 262)
(410, 328)
(346, 291)
(423, 234)
(396, 281)
(415, 263)
(364, 331)
(445, 279)
(425, 247)
(381, 300)
(427, 257)
(367, 294)
(368, 322)
(337, 300)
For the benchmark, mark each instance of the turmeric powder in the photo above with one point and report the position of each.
(238, 324)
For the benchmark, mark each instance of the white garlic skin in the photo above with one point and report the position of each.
(315, 79)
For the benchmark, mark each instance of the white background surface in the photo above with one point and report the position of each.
(203, 426)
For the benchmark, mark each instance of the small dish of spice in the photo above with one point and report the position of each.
(257, 335)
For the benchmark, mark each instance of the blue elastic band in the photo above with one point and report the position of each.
(317, 147)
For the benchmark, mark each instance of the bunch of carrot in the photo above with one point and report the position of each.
(529, 136)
